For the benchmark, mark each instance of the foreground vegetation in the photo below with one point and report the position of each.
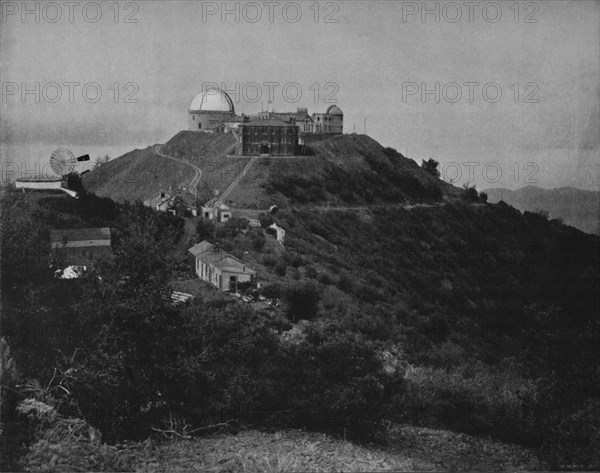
(464, 316)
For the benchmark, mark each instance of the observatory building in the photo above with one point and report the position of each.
(209, 110)
(270, 132)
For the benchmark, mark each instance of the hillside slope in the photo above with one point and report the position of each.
(342, 169)
(576, 207)
(139, 174)
(457, 315)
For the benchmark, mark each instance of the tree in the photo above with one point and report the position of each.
(101, 160)
(431, 166)
(470, 193)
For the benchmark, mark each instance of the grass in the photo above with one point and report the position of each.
(410, 449)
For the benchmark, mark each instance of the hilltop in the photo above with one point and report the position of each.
(576, 207)
(341, 169)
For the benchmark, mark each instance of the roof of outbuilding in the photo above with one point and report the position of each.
(218, 258)
(200, 248)
(80, 234)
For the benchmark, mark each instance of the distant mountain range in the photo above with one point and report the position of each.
(576, 207)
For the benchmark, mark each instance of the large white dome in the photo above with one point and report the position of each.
(211, 100)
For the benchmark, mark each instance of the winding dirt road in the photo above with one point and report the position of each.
(198, 172)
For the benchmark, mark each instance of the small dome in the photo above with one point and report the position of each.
(334, 110)
(211, 100)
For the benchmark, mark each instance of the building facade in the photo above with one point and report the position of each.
(219, 268)
(212, 111)
(209, 111)
(267, 136)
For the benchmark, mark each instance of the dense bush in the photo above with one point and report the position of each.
(337, 382)
(302, 301)
(471, 399)
(205, 229)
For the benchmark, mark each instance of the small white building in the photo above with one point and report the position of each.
(219, 268)
(280, 232)
(161, 202)
(223, 213)
(218, 211)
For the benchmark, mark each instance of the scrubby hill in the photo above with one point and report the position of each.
(454, 315)
(338, 170)
(140, 174)
(403, 300)
(200, 148)
(575, 207)
(136, 175)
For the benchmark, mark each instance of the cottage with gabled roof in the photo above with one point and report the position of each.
(219, 268)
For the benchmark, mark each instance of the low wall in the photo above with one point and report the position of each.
(23, 184)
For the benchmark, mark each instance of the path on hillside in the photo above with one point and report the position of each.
(197, 170)
(187, 238)
(369, 207)
(401, 206)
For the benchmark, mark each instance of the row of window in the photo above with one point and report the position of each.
(270, 130)
(274, 142)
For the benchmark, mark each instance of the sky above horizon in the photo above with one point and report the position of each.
(505, 94)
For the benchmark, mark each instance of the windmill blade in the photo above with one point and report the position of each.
(62, 161)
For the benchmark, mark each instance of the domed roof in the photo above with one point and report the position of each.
(335, 110)
(211, 100)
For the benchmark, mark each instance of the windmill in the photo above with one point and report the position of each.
(63, 162)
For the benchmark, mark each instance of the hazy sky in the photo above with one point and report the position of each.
(375, 60)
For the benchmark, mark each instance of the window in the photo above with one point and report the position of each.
(199, 126)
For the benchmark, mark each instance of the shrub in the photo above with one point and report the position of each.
(311, 272)
(325, 278)
(431, 167)
(338, 382)
(266, 220)
(280, 267)
(294, 259)
(271, 290)
(474, 400)
(470, 193)
(572, 436)
(205, 229)
(302, 300)
(391, 152)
